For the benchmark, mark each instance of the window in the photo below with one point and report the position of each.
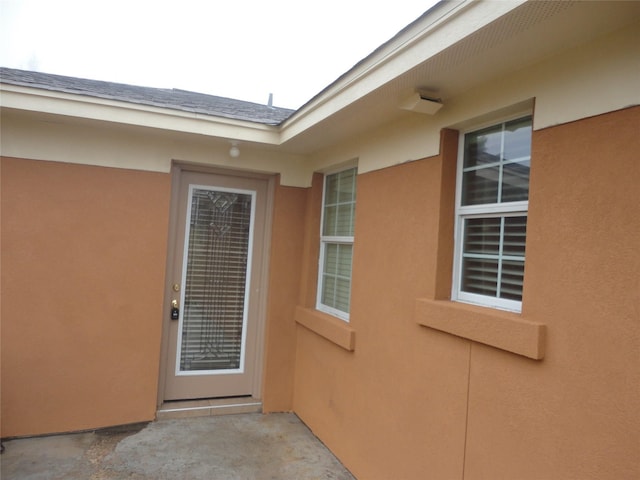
(491, 213)
(336, 243)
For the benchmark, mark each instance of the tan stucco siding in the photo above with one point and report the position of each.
(83, 257)
(290, 205)
(415, 402)
(397, 403)
(575, 414)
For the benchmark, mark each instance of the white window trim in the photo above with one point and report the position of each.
(329, 239)
(473, 211)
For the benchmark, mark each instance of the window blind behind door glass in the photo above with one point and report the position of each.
(216, 276)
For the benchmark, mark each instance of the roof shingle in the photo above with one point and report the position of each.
(157, 97)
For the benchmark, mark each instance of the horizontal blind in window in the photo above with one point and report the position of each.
(493, 256)
(493, 183)
(337, 241)
(216, 276)
(336, 275)
(339, 204)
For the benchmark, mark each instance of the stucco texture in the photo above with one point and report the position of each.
(83, 258)
(412, 402)
(395, 407)
(573, 415)
(290, 205)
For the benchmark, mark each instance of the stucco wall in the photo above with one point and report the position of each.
(574, 414)
(290, 205)
(400, 396)
(84, 250)
(414, 402)
(83, 258)
(83, 265)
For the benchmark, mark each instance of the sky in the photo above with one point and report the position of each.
(242, 49)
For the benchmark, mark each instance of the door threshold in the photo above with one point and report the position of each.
(208, 407)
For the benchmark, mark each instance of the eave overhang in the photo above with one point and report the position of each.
(452, 48)
(88, 108)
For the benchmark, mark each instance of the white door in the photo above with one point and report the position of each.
(214, 286)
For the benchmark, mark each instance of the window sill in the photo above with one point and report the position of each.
(331, 328)
(503, 330)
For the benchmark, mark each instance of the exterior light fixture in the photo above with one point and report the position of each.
(422, 102)
(234, 151)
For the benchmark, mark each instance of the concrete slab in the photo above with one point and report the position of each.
(233, 447)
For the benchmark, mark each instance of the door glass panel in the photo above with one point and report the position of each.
(218, 242)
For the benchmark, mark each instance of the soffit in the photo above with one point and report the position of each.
(450, 49)
(522, 37)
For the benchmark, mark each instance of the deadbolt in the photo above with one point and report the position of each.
(175, 311)
(176, 287)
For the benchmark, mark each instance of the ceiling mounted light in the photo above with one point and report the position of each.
(234, 151)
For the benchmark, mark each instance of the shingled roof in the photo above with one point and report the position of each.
(156, 97)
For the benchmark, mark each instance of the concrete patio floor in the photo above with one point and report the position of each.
(239, 447)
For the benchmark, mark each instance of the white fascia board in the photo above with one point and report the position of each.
(426, 39)
(119, 112)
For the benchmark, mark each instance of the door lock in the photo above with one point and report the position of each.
(175, 311)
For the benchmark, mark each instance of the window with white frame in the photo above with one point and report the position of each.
(492, 200)
(336, 243)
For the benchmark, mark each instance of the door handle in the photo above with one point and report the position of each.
(175, 311)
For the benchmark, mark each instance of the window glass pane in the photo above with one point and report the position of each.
(480, 276)
(515, 235)
(495, 170)
(337, 259)
(344, 220)
(343, 293)
(216, 280)
(347, 188)
(482, 236)
(496, 160)
(331, 189)
(512, 279)
(329, 291)
(517, 139)
(515, 181)
(330, 220)
(336, 278)
(483, 146)
(339, 204)
(331, 259)
(338, 221)
(480, 186)
(345, 252)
